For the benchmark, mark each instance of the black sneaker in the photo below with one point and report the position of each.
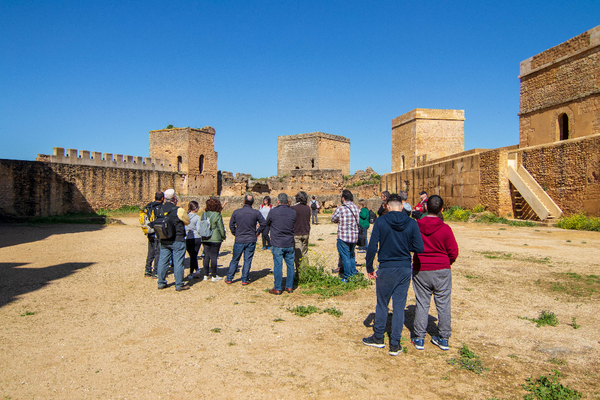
(373, 342)
(180, 288)
(148, 274)
(395, 350)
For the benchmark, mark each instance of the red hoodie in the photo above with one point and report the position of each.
(441, 249)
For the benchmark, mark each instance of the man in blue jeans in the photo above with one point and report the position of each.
(173, 248)
(346, 216)
(243, 226)
(396, 235)
(281, 219)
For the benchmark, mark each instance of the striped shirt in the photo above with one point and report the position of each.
(347, 222)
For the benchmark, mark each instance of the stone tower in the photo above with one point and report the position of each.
(560, 92)
(316, 150)
(191, 152)
(425, 134)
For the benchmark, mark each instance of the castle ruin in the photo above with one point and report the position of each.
(313, 151)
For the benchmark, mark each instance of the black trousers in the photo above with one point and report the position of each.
(153, 253)
(193, 247)
(211, 252)
(266, 240)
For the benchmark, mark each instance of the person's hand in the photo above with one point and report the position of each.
(372, 275)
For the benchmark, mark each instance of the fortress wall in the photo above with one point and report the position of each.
(97, 159)
(569, 171)
(32, 188)
(334, 154)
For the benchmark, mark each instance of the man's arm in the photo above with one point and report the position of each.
(451, 246)
(183, 216)
(372, 248)
(335, 218)
(381, 210)
(232, 224)
(416, 240)
(262, 224)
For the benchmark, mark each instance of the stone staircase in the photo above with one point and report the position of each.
(529, 198)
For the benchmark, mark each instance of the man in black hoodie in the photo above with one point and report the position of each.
(153, 242)
(396, 235)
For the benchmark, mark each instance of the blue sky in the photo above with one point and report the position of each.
(98, 75)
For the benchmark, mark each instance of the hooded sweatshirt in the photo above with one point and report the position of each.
(441, 249)
(396, 235)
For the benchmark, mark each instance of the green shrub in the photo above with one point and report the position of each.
(549, 388)
(456, 213)
(303, 311)
(169, 126)
(546, 318)
(468, 360)
(579, 222)
(315, 280)
(478, 208)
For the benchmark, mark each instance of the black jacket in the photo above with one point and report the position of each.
(281, 219)
(243, 224)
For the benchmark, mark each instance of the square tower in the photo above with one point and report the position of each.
(560, 92)
(425, 134)
(316, 150)
(191, 152)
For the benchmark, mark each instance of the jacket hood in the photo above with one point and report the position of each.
(398, 220)
(430, 225)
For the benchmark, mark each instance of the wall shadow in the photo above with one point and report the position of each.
(15, 281)
(15, 234)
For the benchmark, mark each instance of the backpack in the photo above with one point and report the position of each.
(313, 205)
(163, 226)
(146, 216)
(205, 230)
(372, 217)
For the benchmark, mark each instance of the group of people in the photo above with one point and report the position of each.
(434, 249)
(395, 236)
(285, 230)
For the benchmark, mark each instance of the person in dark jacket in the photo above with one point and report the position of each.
(243, 226)
(153, 242)
(382, 209)
(282, 219)
(301, 227)
(173, 248)
(432, 275)
(396, 235)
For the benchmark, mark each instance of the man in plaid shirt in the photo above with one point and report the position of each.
(346, 216)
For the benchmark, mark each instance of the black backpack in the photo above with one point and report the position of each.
(163, 225)
(313, 205)
(372, 217)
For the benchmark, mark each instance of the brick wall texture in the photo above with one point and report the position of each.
(312, 151)
(562, 80)
(424, 134)
(31, 188)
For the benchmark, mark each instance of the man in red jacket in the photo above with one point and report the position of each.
(432, 275)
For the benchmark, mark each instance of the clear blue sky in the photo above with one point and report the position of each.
(98, 75)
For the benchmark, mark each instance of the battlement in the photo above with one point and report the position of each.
(97, 159)
(321, 135)
(428, 114)
(206, 129)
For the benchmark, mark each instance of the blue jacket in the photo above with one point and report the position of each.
(243, 224)
(396, 235)
(281, 219)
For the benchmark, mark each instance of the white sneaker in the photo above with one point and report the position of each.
(205, 278)
(216, 278)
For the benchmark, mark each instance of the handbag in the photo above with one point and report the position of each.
(362, 232)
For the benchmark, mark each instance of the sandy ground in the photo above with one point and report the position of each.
(80, 321)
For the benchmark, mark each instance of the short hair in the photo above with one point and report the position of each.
(248, 199)
(394, 198)
(158, 196)
(423, 193)
(403, 195)
(301, 197)
(192, 206)
(313, 197)
(385, 193)
(268, 199)
(213, 204)
(434, 204)
(347, 195)
(282, 198)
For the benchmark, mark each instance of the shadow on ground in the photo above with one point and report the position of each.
(16, 234)
(15, 280)
(409, 322)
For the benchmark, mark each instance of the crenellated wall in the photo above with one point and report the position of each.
(97, 159)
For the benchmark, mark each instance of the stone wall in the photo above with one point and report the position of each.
(97, 159)
(32, 188)
(312, 151)
(569, 171)
(464, 181)
(422, 135)
(564, 80)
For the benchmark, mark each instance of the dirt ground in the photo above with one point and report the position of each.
(80, 321)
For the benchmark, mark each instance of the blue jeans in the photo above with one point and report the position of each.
(175, 251)
(238, 249)
(392, 282)
(346, 251)
(280, 254)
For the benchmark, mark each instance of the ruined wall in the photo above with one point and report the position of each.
(31, 188)
(196, 147)
(422, 135)
(465, 181)
(569, 171)
(312, 151)
(562, 80)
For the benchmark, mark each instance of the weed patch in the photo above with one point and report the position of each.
(26, 313)
(303, 311)
(549, 388)
(315, 280)
(574, 284)
(468, 360)
(216, 330)
(579, 222)
(333, 311)
(546, 318)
